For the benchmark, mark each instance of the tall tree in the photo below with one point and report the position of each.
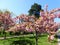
(35, 10)
(5, 21)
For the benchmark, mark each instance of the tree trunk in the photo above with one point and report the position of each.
(4, 34)
(36, 38)
(4, 31)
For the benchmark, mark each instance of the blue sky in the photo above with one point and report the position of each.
(22, 6)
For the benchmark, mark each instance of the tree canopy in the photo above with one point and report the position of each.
(35, 10)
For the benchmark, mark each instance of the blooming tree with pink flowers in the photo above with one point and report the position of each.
(27, 23)
(6, 21)
(45, 23)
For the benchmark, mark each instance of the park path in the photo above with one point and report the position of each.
(1, 38)
(58, 41)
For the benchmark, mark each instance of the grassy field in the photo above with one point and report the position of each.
(28, 40)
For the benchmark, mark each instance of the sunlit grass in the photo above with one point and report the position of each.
(42, 40)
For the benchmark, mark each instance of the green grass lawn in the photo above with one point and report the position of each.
(42, 40)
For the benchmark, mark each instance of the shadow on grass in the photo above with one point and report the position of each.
(22, 42)
(54, 41)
